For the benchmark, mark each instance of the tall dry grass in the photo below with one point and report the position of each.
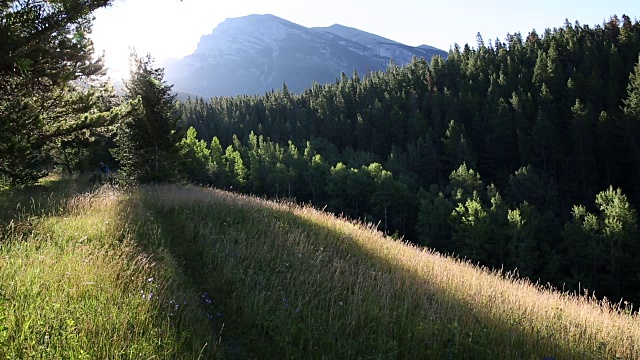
(184, 272)
(307, 284)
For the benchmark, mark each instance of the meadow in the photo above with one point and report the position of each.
(173, 271)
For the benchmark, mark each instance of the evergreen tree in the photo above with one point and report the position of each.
(501, 136)
(524, 246)
(526, 185)
(619, 230)
(433, 226)
(45, 47)
(498, 242)
(584, 251)
(471, 229)
(632, 127)
(235, 170)
(602, 246)
(217, 163)
(195, 158)
(464, 183)
(457, 149)
(317, 174)
(579, 167)
(147, 141)
(394, 205)
(632, 102)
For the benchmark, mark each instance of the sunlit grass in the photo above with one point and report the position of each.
(75, 284)
(300, 283)
(172, 272)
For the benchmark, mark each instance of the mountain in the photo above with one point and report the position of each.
(257, 53)
(400, 53)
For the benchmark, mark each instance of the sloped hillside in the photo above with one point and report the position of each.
(187, 272)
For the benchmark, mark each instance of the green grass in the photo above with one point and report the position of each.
(266, 280)
(76, 284)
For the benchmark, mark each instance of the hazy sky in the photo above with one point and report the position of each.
(172, 29)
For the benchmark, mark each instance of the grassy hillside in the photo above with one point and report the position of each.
(76, 282)
(106, 274)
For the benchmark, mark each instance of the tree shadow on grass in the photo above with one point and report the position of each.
(325, 295)
(200, 326)
(19, 207)
(464, 331)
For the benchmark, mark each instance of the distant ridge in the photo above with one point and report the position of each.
(257, 53)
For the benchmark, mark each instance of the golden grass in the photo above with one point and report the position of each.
(417, 296)
(106, 274)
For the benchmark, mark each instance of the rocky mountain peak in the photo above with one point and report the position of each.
(257, 53)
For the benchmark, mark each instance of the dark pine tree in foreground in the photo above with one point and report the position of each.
(45, 49)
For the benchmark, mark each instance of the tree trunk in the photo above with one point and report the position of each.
(156, 157)
(385, 220)
(66, 162)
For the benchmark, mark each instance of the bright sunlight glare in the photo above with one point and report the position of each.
(172, 28)
(167, 29)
